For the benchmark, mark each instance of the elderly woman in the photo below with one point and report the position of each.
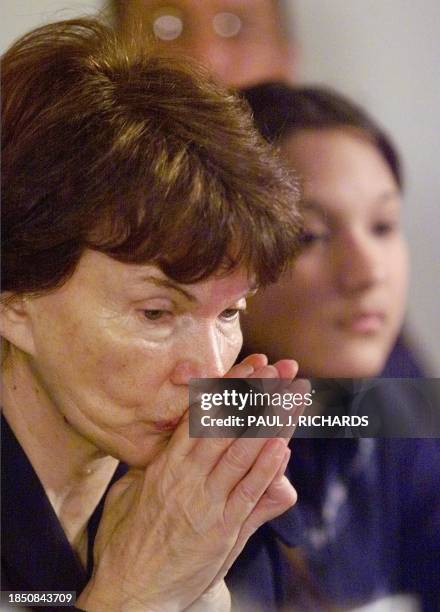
(135, 223)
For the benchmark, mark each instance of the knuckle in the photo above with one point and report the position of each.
(293, 495)
(237, 456)
(290, 496)
(248, 494)
(282, 495)
(218, 443)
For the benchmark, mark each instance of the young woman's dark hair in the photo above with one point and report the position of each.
(139, 156)
(280, 110)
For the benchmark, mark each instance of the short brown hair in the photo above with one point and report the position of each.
(134, 154)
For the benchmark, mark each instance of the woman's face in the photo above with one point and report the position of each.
(240, 40)
(115, 347)
(340, 307)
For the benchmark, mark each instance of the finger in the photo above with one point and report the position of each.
(206, 454)
(279, 475)
(287, 368)
(300, 387)
(276, 500)
(180, 444)
(203, 454)
(233, 466)
(120, 498)
(193, 456)
(257, 360)
(279, 497)
(267, 371)
(294, 403)
(245, 496)
(247, 367)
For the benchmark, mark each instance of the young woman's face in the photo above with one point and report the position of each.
(115, 347)
(340, 307)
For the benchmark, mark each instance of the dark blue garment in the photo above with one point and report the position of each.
(367, 525)
(402, 363)
(36, 555)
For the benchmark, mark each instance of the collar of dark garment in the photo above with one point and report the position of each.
(36, 555)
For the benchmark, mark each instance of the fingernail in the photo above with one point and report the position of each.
(248, 369)
(271, 372)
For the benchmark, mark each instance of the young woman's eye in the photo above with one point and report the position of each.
(384, 228)
(154, 315)
(230, 314)
(309, 238)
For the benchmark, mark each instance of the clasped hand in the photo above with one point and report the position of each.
(169, 533)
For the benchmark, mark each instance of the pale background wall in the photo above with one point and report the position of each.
(384, 54)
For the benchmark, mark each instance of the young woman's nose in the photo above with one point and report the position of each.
(202, 356)
(360, 264)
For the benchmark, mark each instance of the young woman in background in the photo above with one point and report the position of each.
(366, 527)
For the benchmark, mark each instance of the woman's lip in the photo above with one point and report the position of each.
(364, 322)
(168, 425)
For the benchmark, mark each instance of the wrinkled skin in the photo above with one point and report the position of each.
(101, 367)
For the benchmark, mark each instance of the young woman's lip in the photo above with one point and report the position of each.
(364, 322)
(168, 425)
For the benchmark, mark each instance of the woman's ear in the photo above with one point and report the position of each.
(15, 321)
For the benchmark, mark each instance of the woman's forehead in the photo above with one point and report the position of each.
(98, 267)
(338, 158)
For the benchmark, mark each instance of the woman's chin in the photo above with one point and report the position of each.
(350, 366)
(138, 455)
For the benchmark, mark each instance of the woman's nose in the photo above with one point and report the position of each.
(214, 52)
(201, 357)
(360, 264)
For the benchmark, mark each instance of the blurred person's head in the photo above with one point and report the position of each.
(340, 307)
(243, 42)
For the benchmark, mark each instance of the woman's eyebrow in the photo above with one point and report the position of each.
(169, 284)
(389, 196)
(251, 291)
(314, 207)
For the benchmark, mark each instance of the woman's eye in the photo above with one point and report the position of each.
(154, 315)
(309, 238)
(384, 228)
(230, 314)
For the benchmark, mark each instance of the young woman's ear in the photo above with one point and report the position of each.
(15, 321)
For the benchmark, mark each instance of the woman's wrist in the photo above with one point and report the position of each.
(215, 599)
(97, 599)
